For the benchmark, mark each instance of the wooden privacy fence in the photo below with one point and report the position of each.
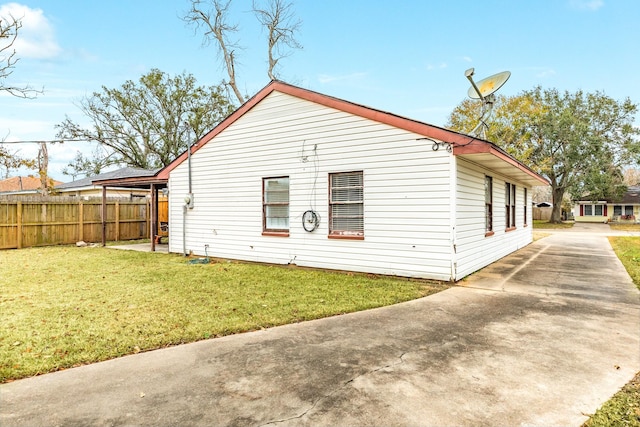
(42, 221)
(543, 214)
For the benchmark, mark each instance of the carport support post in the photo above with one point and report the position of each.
(154, 216)
(104, 215)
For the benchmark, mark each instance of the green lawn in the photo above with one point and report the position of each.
(65, 306)
(623, 409)
(543, 224)
(625, 227)
(627, 248)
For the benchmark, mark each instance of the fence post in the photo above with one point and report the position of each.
(104, 215)
(19, 228)
(80, 221)
(117, 220)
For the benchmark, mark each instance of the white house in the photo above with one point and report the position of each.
(297, 177)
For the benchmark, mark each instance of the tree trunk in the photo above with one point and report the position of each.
(556, 211)
(43, 169)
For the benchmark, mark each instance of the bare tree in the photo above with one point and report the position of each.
(277, 17)
(11, 159)
(216, 28)
(9, 27)
(632, 176)
(43, 169)
(279, 20)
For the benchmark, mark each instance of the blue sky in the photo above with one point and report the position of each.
(405, 57)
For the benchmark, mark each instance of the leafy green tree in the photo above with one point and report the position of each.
(579, 141)
(149, 123)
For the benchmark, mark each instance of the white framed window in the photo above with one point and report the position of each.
(525, 205)
(275, 204)
(593, 210)
(510, 205)
(623, 210)
(488, 204)
(346, 204)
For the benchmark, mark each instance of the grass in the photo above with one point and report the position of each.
(543, 224)
(62, 307)
(625, 227)
(627, 248)
(623, 409)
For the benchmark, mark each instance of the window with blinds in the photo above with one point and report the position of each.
(275, 204)
(346, 204)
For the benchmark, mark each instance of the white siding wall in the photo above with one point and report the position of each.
(406, 191)
(473, 249)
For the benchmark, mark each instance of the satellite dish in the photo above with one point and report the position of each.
(484, 90)
(486, 87)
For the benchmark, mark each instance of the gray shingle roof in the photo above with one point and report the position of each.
(127, 172)
(632, 195)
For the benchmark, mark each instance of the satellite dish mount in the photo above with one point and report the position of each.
(484, 90)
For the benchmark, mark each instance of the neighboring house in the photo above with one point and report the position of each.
(625, 209)
(85, 187)
(21, 185)
(542, 205)
(542, 211)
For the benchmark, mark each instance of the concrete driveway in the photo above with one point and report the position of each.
(542, 337)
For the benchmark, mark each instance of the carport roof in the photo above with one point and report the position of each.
(130, 177)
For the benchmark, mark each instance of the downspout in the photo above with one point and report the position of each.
(189, 164)
(453, 213)
(184, 230)
(188, 204)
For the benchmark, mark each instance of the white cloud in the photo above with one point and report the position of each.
(548, 72)
(36, 38)
(592, 5)
(467, 59)
(440, 66)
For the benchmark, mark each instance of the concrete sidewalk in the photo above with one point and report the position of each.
(542, 337)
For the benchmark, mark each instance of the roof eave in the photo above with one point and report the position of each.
(478, 150)
(463, 144)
